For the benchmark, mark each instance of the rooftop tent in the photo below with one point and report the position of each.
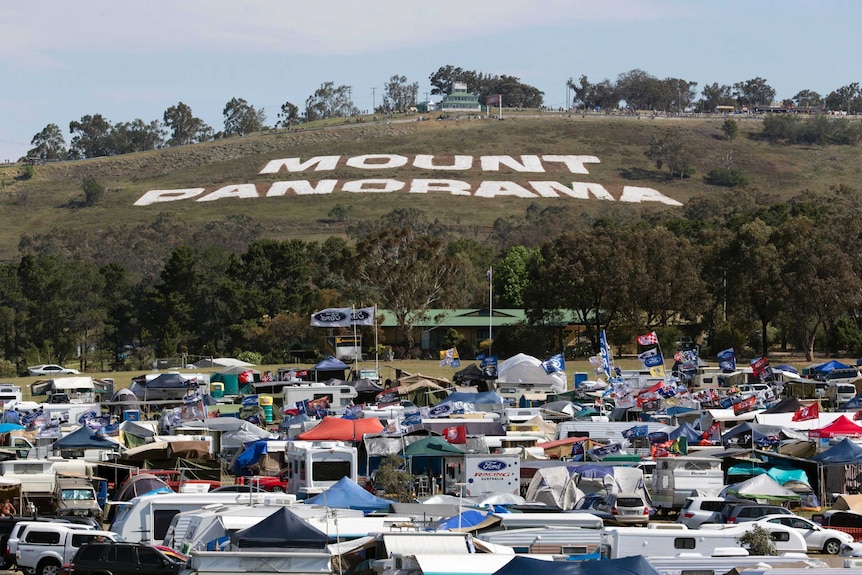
(841, 427)
(432, 446)
(85, 438)
(762, 488)
(346, 494)
(250, 456)
(844, 452)
(524, 565)
(339, 429)
(528, 369)
(282, 529)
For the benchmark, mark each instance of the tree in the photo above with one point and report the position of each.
(641, 91)
(398, 95)
(754, 92)
(715, 95)
(594, 96)
(847, 98)
(510, 277)
(445, 77)
(408, 271)
(184, 126)
(49, 144)
(136, 136)
(329, 102)
(807, 99)
(730, 127)
(94, 192)
(92, 137)
(241, 118)
(671, 151)
(289, 115)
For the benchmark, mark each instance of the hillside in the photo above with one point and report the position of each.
(52, 197)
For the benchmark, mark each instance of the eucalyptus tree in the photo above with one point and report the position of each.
(49, 144)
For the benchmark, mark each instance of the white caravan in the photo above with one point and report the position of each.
(314, 466)
(675, 478)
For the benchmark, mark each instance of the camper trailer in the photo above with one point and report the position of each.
(329, 397)
(314, 466)
(675, 478)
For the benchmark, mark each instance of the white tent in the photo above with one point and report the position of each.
(523, 368)
(554, 486)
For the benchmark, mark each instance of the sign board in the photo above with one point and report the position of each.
(495, 473)
(348, 346)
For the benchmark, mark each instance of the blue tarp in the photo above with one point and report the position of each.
(844, 452)
(522, 565)
(346, 494)
(467, 520)
(247, 458)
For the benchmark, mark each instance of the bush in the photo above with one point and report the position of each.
(7, 368)
(727, 177)
(758, 541)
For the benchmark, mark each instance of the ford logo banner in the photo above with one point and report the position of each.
(492, 465)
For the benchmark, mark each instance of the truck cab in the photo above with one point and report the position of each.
(75, 496)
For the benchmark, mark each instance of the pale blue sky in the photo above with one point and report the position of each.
(62, 59)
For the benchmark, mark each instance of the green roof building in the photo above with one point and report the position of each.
(460, 100)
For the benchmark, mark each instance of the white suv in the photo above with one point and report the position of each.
(699, 510)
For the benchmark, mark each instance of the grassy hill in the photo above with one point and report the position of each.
(53, 197)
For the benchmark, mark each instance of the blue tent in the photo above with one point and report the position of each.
(329, 367)
(346, 494)
(523, 565)
(247, 458)
(829, 366)
(282, 529)
(844, 452)
(469, 520)
(786, 367)
(85, 438)
(686, 430)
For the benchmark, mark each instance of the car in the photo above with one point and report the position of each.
(818, 539)
(276, 483)
(51, 369)
(122, 558)
(699, 510)
(625, 508)
(238, 488)
(742, 512)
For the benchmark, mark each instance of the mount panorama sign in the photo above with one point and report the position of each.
(486, 188)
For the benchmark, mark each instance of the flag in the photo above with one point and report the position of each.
(412, 418)
(727, 359)
(602, 452)
(578, 451)
(658, 437)
(246, 376)
(489, 274)
(362, 316)
(679, 445)
(657, 371)
(711, 431)
(266, 377)
(651, 358)
(636, 431)
(441, 410)
(745, 405)
(607, 358)
(760, 368)
(457, 434)
(554, 363)
(450, 357)
(807, 412)
(857, 416)
(689, 359)
(332, 317)
(648, 339)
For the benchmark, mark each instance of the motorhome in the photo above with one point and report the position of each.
(674, 538)
(675, 478)
(9, 393)
(314, 466)
(330, 397)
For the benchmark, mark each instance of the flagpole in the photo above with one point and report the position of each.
(376, 345)
(356, 347)
(490, 307)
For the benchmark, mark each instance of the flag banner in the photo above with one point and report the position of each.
(578, 451)
(602, 452)
(442, 410)
(679, 446)
(807, 412)
(758, 366)
(727, 359)
(266, 377)
(690, 359)
(648, 339)
(554, 363)
(767, 441)
(745, 405)
(292, 409)
(413, 418)
(651, 358)
(457, 434)
(450, 357)
(489, 366)
(658, 437)
(857, 416)
(480, 358)
(250, 401)
(636, 431)
(658, 371)
(246, 377)
(362, 316)
(394, 428)
(606, 355)
(711, 431)
(332, 317)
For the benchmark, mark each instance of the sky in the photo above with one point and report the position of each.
(61, 60)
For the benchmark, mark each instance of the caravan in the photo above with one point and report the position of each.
(677, 478)
(314, 466)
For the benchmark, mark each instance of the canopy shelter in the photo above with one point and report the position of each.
(824, 368)
(750, 434)
(844, 452)
(786, 405)
(425, 456)
(328, 368)
(283, 529)
(85, 438)
(762, 488)
(841, 427)
(346, 494)
(685, 429)
(339, 429)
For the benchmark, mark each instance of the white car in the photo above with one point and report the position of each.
(817, 539)
(51, 369)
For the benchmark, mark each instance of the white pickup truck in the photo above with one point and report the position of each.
(43, 548)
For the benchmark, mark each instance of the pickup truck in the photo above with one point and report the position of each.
(43, 549)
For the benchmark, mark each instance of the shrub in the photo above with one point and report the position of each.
(758, 541)
(727, 177)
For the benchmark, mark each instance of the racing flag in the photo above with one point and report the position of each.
(807, 412)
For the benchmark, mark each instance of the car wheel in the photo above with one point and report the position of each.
(832, 547)
(48, 567)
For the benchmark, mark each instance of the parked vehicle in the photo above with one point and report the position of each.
(12, 527)
(122, 559)
(45, 547)
(818, 539)
(742, 512)
(625, 508)
(51, 369)
(75, 496)
(675, 478)
(699, 510)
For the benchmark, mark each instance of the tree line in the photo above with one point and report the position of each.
(730, 267)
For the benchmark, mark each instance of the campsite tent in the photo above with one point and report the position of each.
(786, 405)
(686, 430)
(85, 438)
(329, 367)
(523, 565)
(338, 429)
(432, 446)
(522, 368)
(762, 488)
(139, 485)
(280, 530)
(841, 427)
(844, 452)
(346, 494)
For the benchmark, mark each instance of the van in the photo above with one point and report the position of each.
(839, 393)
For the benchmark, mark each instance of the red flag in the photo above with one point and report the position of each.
(713, 429)
(745, 405)
(649, 339)
(246, 377)
(807, 412)
(456, 434)
(267, 376)
(857, 416)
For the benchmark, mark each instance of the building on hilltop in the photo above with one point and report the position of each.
(460, 100)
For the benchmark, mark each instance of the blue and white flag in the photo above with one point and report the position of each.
(636, 431)
(602, 452)
(727, 359)
(554, 363)
(441, 410)
(413, 418)
(606, 355)
(651, 358)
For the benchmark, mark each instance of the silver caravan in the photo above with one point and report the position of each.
(328, 397)
(675, 478)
